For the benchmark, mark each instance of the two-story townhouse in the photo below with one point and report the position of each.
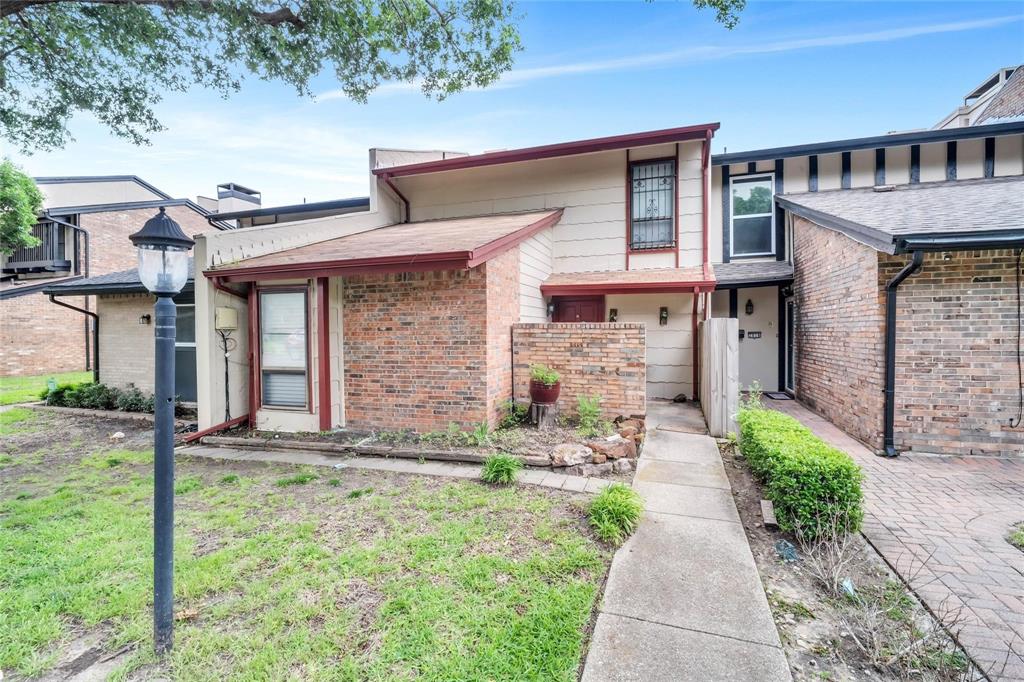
(812, 244)
(401, 316)
(400, 310)
(83, 232)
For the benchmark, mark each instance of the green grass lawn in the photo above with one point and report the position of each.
(27, 389)
(287, 572)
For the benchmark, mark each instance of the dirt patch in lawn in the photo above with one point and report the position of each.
(284, 571)
(865, 626)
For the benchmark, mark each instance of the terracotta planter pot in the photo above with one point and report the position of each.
(543, 394)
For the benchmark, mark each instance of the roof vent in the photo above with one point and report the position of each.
(884, 188)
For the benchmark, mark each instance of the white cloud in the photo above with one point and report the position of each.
(706, 53)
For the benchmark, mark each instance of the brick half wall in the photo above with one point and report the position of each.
(593, 358)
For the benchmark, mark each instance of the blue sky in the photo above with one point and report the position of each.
(790, 73)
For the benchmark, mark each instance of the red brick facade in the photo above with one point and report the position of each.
(956, 362)
(36, 336)
(608, 359)
(840, 331)
(956, 351)
(425, 349)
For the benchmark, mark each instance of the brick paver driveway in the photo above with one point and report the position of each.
(942, 523)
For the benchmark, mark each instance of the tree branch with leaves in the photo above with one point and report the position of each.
(20, 204)
(116, 59)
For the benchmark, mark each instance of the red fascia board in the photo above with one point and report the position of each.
(501, 244)
(454, 260)
(550, 151)
(449, 260)
(626, 288)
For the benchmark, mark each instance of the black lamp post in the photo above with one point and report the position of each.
(163, 269)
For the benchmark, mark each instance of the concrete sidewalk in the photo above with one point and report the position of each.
(684, 600)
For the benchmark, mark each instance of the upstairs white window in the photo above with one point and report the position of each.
(752, 225)
(652, 222)
(284, 348)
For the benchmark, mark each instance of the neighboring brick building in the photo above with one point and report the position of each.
(956, 348)
(84, 232)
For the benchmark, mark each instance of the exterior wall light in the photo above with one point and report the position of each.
(613, 315)
(551, 309)
(145, 319)
(663, 316)
(163, 268)
(749, 307)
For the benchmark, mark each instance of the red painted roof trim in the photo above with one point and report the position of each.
(549, 151)
(626, 288)
(448, 260)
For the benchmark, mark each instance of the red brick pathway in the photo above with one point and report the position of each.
(945, 520)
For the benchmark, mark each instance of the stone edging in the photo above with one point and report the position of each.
(356, 449)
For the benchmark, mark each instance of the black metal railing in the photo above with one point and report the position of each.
(52, 246)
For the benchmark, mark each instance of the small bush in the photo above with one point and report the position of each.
(134, 400)
(515, 414)
(588, 410)
(501, 469)
(815, 487)
(544, 375)
(96, 396)
(615, 513)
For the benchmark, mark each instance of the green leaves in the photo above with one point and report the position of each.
(20, 203)
(815, 487)
(115, 61)
(615, 513)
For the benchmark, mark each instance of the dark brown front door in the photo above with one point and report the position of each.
(579, 309)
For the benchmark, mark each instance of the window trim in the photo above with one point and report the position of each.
(185, 344)
(747, 177)
(258, 356)
(675, 204)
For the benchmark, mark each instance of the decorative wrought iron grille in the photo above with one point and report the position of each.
(653, 205)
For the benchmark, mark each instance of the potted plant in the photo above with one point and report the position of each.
(544, 384)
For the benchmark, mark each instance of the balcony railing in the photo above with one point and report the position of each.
(50, 255)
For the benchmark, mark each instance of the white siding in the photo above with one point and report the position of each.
(1009, 155)
(60, 194)
(535, 264)
(669, 348)
(862, 167)
(970, 159)
(830, 168)
(794, 172)
(897, 165)
(933, 162)
(591, 188)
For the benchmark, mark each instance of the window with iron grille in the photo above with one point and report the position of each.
(653, 205)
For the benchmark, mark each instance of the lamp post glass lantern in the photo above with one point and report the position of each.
(163, 268)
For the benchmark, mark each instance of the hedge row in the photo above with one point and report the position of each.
(815, 487)
(98, 397)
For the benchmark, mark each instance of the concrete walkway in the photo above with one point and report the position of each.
(542, 477)
(684, 600)
(941, 522)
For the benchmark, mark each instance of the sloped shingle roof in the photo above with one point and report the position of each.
(882, 219)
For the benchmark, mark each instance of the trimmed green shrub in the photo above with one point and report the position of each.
(57, 395)
(134, 400)
(615, 513)
(501, 469)
(815, 487)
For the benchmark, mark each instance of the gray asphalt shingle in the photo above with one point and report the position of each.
(953, 207)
